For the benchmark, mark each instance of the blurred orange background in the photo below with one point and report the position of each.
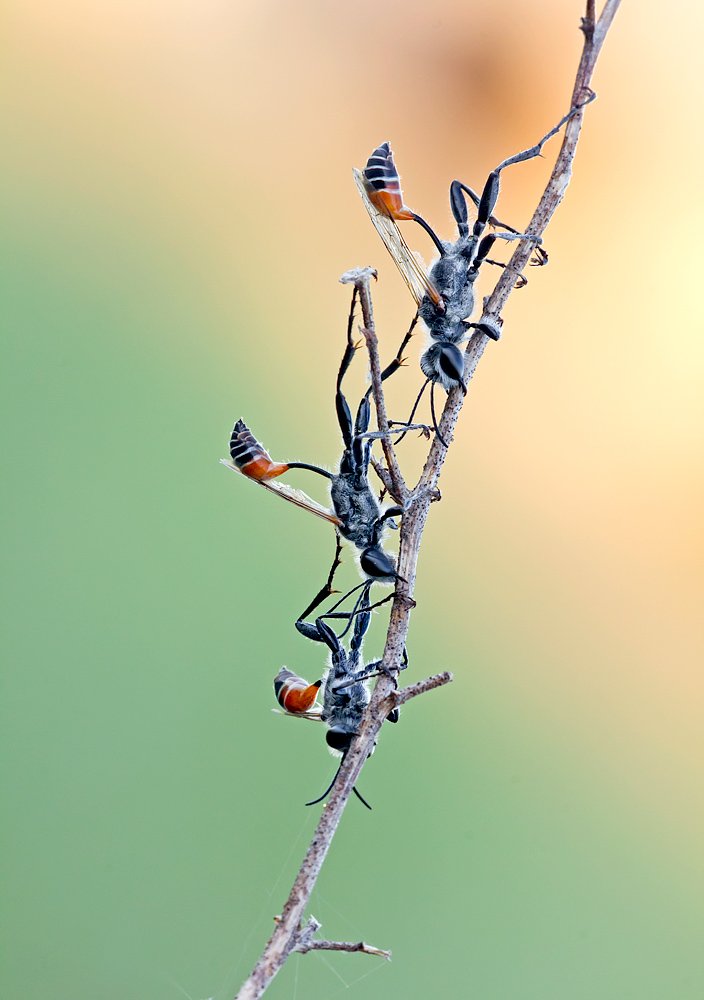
(179, 208)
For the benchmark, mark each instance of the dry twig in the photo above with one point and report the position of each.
(361, 279)
(289, 934)
(306, 942)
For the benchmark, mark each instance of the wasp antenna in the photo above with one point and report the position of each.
(432, 413)
(413, 411)
(329, 788)
(361, 798)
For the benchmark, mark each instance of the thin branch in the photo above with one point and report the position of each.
(361, 277)
(344, 946)
(553, 194)
(288, 935)
(589, 21)
(383, 474)
(413, 690)
(307, 943)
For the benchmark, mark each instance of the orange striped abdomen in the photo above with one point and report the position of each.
(250, 457)
(383, 184)
(293, 693)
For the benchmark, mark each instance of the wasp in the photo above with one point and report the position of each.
(356, 513)
(445, 295)
(344, 691)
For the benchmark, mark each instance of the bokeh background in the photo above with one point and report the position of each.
(178, 207)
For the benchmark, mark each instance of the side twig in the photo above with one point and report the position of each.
(413, 690)
(307, 943)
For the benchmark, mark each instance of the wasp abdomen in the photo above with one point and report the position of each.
(293, 693)
(383, 184)
(250, 457)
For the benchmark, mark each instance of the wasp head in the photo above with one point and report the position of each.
(377, 563)
(451, 362)
(339, 739)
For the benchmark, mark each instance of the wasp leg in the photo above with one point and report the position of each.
(356, 610)
(364, 412)
(490, 194)
(533, 151)
(459, 211)
(458, 206)
(361, 448)
(361, 606)
(393, 367)
(327, 590)
(486, 245)
(401, 427)
(312, 630)
(415, 407)
(395, 511)
(344, 414)
(356, 455)
(388, 514)
(491, 330)
(521, 280)
(435, 419)
(373, 670)
(397, 362)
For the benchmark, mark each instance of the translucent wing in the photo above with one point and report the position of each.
(297, 497)
(312, 716)
(419, 284)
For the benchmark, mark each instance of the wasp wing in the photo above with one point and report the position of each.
(419, 284)
(312, 716)
(297, 497)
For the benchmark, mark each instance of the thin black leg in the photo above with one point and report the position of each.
(397, 362)
(521, 280)
(327, 590)
(344, 415)
(435, 419)
(357, 610)
(395, 427)
(395, 511)
(490, 193)
(459, 208)
(415, 407)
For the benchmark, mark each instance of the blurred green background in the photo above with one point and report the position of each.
(178, 207)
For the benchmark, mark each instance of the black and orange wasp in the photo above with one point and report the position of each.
(445, 295)
(344, 690)
(356, 513)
